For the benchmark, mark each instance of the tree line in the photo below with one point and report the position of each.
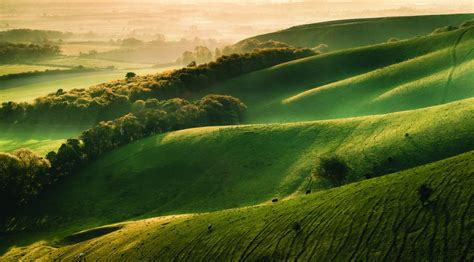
(77, 69)
(250, 45)
(113, 99)
(32, 36)
(13, 53)
(202, 54)
(24, 174)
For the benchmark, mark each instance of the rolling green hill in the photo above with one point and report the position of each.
(213, 168)
(351, 33)
(376, 219)
(423, 81)
(26, 89)
(377, 79)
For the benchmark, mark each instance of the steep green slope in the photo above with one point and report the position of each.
(377, 79)
(213, 168)
(344, 34)
(434, 78)
(378, 219)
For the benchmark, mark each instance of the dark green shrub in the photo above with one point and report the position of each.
(130, 75)
(23, 175)
(296, 227)
(333, 169)
(424, 193)
(392, 40)
(467, 24)
(443, 29)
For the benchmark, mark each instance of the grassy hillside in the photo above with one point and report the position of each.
(28, 88)
(376, 219)
(76, 48)
(73, 61)
(344, 34)
(20, 68)
(212, 168)
(434, 78)
(41, 139)
(383, 78)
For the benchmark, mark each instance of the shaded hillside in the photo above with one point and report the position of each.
(376, 219)
(342, 34)
(212, 168)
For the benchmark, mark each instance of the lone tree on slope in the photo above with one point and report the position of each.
(333, 169)
(130, 75)
(424, 193)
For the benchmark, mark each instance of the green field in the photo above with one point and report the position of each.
(19, 68)
(28, 88)
(75, 48)
(73, 61)
(352, 33)
(41, 139)
(213, 168)
(398, 114)
(377, 219)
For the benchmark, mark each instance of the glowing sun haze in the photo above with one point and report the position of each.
(218, 19)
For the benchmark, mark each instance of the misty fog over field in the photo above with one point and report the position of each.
(228, 21)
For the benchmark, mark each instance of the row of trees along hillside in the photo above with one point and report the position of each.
(202, 54)
(24, 174)
(32, 35)
(113, 99)
(14, 53)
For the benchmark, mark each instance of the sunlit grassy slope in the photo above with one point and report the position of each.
(419, 82)
(370, 80)
(73, 61)
(378, 219)
(21, 68)
(213, 168)
(26, 89)
(44, 139)
(41, 139)
(75, 48)
(343, 34)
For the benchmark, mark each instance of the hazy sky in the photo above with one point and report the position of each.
(375, 2)
(220, 19)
